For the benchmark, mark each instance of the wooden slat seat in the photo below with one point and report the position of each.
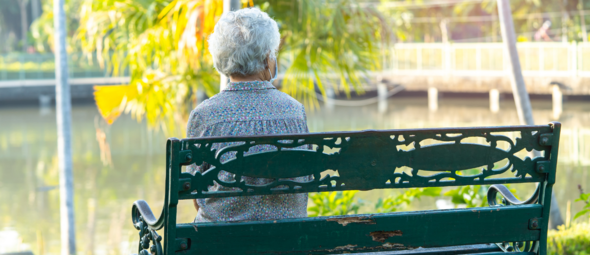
(460, 249)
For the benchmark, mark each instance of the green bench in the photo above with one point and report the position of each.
(364, 160)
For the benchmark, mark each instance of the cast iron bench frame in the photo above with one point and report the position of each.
(365, 160)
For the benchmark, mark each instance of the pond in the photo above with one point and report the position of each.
(29, 198)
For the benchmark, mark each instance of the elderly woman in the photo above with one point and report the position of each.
(244, 46)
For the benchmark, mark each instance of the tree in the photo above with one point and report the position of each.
(10, 31)
(519, 91)
(24, 25)
(477, 20)
(42, 30)
(63, 111)
(163, 46)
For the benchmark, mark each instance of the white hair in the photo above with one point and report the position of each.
(242, 40)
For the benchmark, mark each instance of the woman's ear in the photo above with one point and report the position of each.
(264, 73)
(268, 59)
(268, 71)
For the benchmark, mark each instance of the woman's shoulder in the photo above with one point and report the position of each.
(207, 103)
(231, 106)
(287, 99)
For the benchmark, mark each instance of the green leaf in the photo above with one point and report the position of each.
(333, 203)
(453, 192)
(457, 200)
(581, 213)
(433, 191)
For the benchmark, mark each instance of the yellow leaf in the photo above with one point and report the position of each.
(110, 100)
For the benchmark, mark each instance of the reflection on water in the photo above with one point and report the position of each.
(29, 200)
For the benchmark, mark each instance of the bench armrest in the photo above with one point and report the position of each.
(508, 197)
(147, 224)
(142, 209)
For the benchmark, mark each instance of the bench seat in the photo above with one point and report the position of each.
(460, 249)
(358, 233)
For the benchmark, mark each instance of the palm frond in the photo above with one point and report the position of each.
(162, 45)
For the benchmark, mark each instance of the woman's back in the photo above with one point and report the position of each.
(248, 108)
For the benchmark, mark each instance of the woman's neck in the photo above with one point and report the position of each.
(238, 78)
(242, 79)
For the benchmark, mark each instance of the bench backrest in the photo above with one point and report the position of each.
(365, 160)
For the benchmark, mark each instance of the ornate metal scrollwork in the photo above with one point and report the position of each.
(509, 199)
(144, 221)
(363, 160)
(531, 246)
(147, 236)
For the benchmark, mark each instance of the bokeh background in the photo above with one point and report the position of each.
(138, 67)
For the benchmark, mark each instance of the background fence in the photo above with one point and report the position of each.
(459, 59)
(488, 59)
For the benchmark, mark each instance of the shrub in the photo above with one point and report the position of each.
(470, 196)
(586, 199)
(572, 240)
(394, 203)
(333, 203)
(344, 202)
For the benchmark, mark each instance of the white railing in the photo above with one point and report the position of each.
(575, 146)
(488, 59)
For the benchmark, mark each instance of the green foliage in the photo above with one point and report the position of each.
(344, 202)
(42, 31)
(324, 38)
(419, 21)
(584, 197)
(572, 240)
(394, 203)
(470, 196)
(45, 62)
(163, 44)
(333, 203)
(27, 66)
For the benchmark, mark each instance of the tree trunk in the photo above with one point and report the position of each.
(64, 133)
(444, 30)
(24, 26)
(35, 9)
(92, 204)
(521, 96)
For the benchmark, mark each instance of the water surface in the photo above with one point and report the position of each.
(29, 200)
